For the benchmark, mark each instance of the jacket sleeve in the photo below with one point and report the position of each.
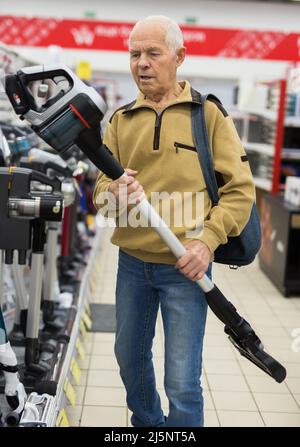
(101, 196)
(237, 195)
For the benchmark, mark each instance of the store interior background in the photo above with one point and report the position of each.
(217, 74)
(238, 83)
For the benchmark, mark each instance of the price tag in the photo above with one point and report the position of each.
(90, 220)
(83, 70)
(82, 329)
(75, 370)
(80, 349)
(87, 321)
(70, 392)
(62, 419)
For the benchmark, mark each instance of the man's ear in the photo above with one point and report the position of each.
(180, 56)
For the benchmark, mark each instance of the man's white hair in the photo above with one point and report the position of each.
(174, 37)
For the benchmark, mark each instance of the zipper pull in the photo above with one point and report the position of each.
(156, 132)
(176, 147)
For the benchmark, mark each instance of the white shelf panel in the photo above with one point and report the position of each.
(263, 183)
(293, 121)
(290, 154)
(265, 113)
(266, 149)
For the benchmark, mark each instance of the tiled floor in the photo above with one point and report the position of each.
(236, 392)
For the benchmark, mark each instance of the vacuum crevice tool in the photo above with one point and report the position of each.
(242, 336)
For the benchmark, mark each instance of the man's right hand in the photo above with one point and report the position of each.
(127, 189)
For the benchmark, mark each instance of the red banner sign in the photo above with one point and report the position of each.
(113, 36)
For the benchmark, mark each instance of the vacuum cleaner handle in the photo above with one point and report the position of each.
(90, 142)
(105, 161)
(162, 229)
(17, 95)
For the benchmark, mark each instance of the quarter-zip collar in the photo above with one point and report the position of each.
(185, 96)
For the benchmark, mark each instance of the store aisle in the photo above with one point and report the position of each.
(236, 392)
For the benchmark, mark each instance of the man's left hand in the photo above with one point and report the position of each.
(195, 262)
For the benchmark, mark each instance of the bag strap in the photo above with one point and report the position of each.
(201, 142)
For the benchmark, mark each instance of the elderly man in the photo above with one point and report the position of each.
(152, 138)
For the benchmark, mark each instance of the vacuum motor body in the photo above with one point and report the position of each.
(57, 104)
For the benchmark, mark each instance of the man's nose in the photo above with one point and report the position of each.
(143, 61)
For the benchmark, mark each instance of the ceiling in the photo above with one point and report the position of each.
(270, 1)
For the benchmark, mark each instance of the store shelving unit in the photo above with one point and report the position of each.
(67, 370)
(67, 366)
(57, 415)
(264, 132)
(279, 256)
(271, 137)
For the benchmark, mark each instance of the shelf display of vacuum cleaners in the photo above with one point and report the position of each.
(41, 211)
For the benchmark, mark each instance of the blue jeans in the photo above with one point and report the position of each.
(141, 288)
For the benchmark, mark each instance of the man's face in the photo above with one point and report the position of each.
(153, 64)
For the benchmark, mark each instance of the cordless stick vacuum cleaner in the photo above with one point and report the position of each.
(23, 216)
(16, 336)
(47, 163)
(14, 389)
(64, 112)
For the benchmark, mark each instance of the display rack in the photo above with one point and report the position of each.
(66, 394)
(279, 257)
(67, 370)
(269, 133)
(71, 349)
(11, 60)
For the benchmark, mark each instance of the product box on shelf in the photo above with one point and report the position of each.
(292, 190)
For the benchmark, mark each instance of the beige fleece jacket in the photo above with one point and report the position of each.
(159, 145)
